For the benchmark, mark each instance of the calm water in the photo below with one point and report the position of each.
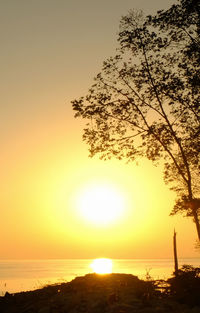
(22, 275)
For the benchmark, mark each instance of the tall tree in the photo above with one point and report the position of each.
(145, 101)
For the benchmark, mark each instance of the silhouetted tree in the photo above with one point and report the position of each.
(145, 101)
(185, 286)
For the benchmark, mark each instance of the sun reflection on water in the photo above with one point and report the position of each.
(102, 266)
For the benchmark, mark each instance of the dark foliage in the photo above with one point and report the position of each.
(185, 286)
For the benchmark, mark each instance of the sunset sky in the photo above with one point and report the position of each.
(50, 52)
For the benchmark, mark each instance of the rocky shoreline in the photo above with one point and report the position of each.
(93, 293)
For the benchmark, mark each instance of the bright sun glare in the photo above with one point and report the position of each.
(102, 266)
(101, 204)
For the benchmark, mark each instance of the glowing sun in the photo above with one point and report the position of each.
(101, 204)
(102, 266)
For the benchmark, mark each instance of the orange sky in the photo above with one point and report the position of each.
(51, 50)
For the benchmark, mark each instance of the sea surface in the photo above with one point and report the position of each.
(23, 275)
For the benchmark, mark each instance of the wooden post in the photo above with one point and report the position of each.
(175, 255)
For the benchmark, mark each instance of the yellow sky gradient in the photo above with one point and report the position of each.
(51, 51)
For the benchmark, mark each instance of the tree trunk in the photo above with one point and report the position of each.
(194, 206)
(196, 220)
(175, 255)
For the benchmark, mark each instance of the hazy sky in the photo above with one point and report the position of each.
(50, 52)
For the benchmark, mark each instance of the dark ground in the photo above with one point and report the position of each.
(93, 293)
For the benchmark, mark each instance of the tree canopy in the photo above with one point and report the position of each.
(145, 101)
